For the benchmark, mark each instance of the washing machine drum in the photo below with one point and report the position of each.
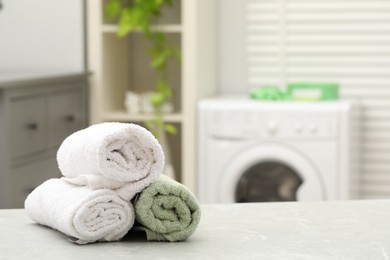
(270, 173)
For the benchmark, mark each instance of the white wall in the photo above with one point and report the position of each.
(232, 69)
(41, 35)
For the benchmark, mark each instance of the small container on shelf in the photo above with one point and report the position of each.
(139, 103)
(132, 102)
(168, 108)
(146, 106)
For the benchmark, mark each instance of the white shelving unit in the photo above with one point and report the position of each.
(121, 64)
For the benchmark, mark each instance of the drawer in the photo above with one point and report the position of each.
(26, 125)
(65, 116)
(26, 178)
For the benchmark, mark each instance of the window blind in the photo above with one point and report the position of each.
(343, 41)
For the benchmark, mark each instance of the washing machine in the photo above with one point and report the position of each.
(259, 151)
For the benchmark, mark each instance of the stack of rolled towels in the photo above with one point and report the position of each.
(113, 183)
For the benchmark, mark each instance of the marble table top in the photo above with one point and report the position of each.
(296, 230)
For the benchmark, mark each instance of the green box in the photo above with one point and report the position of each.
(313, 91)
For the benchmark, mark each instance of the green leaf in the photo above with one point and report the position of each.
(160, 38)
(170, 129)
(157, 99)
(126, 22)
(113, 8)
(160, 60)
(158, 2)
(163, 88)
(169, 2)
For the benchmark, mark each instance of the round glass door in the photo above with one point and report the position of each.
(269, 172)
(268, 181)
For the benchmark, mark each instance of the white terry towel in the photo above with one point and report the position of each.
(79, 212)
(118, 156)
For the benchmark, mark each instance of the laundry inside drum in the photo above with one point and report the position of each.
(268, 181)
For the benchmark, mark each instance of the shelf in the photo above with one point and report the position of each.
(123, 116)
(122, 64)
(168, 28)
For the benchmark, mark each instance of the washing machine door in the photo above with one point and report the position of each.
(270, 172)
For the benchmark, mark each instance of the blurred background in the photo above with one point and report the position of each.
(260, 100)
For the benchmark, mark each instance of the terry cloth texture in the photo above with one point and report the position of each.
(167, 211)
(119, 156)
(77, 211)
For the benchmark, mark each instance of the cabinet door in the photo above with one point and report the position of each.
(26, 125)
(25, 179)
(66, 115)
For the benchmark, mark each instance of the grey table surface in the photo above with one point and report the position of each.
(295, 230)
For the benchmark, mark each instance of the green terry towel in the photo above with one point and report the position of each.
(167, 211)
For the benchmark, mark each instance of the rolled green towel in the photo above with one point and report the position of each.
(167, 211)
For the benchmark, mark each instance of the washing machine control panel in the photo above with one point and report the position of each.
(281, 124)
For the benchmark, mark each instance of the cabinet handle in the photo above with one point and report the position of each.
(32, 126)
(69, 118)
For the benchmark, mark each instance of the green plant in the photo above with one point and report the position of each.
(138, 15)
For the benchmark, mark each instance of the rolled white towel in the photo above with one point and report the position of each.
(118, 156)
(79, 212)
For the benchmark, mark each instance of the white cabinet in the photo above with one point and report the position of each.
(121, 64)
(35, 117)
